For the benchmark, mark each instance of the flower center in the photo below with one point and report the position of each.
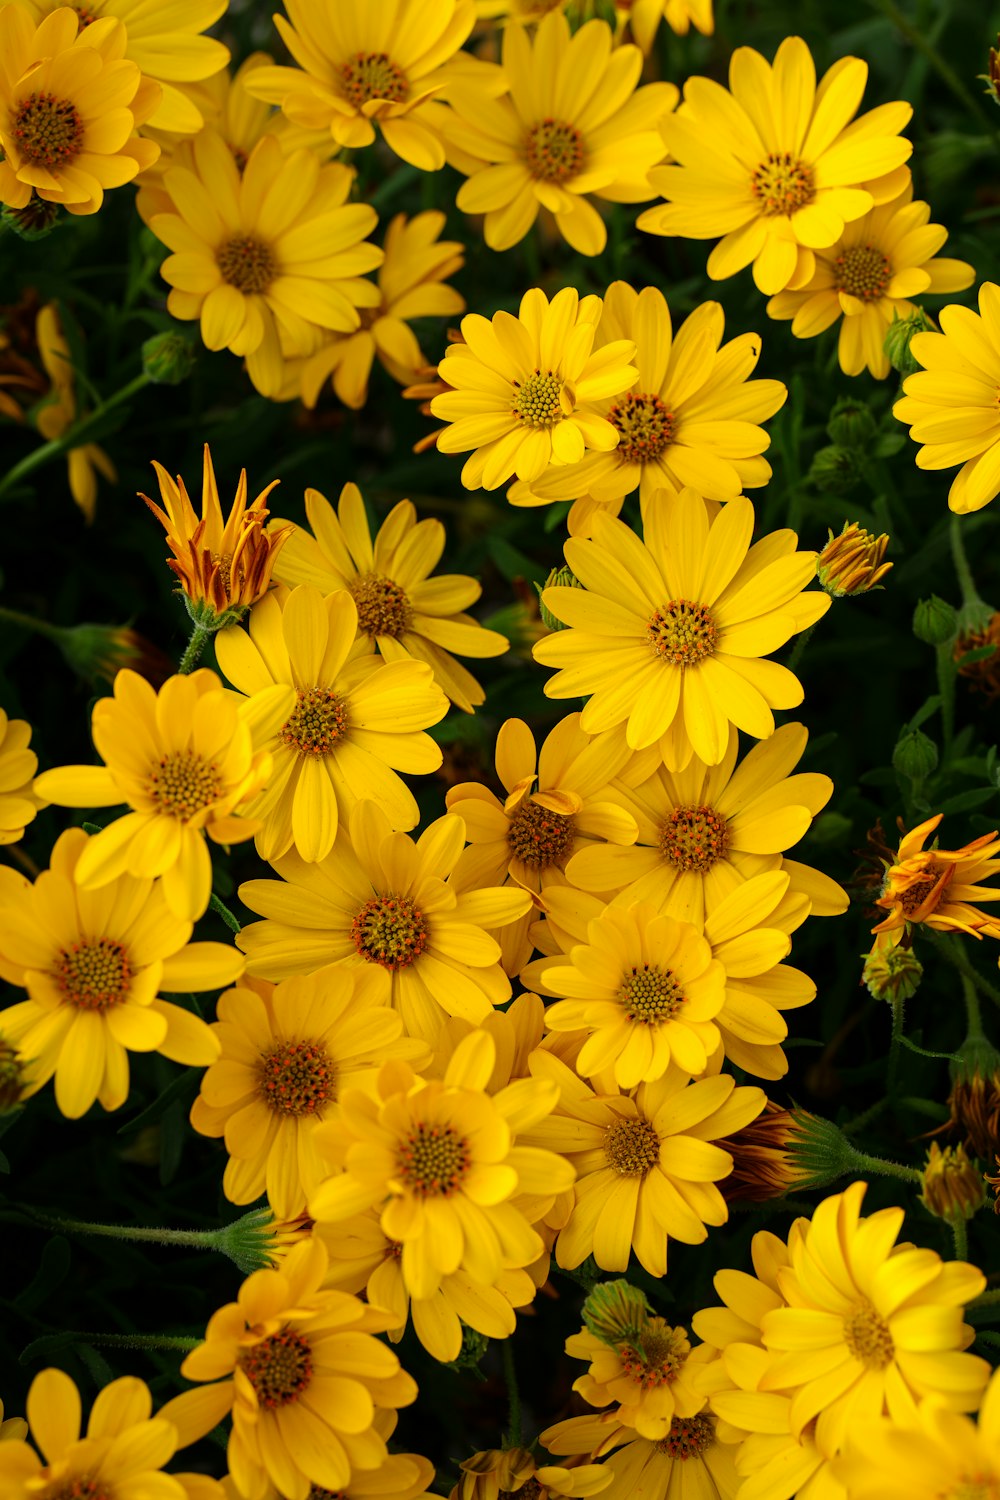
(912, 897)
(383, 607)
(296, 1078)
(782, 185)
(94, 974)
(553, 151)
(530, 1490)
(694, 838)
(247, 263)
(80, 1488)
(48, 131)
(317, 723)
(183, 784)
(538, 837)
(650, 995)
(688, 1437)
(391, 931)
(279, 1368)
(868, 1338)
(373, 75)
(682, 633)
(632, 1147)
(656, 1358)
(537, 401)
(85, 14)
(434, 1160)
(646, 427)
(863, 272)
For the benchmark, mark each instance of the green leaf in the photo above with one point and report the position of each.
(966, 801)
(922, 1051)
(926, 712)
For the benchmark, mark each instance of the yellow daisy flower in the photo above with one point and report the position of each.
(776, 164)
(410, 283)
(185, 760)
(705, 830)
(950, 405)
(692, 418)
(400, 1476)
(939, 887)
(354, 722)
(573, 124)
(647, 1168)
(273, 251)
(18, 801)
(867, 277)
(692, 1462)
(442, 1161)
(61, 411)
(668, 634)
(11, 1427)
(644, 17)
(70, 105)
(360, 65)
(93, 964)
(524, 389)
(380, 898)
(287, 1054)
(303, 1378)
(402, 610)
(514, 1472)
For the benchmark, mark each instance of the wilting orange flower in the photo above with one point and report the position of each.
(938, 886)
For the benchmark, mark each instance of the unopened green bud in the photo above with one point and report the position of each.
(616, 1312)
(168, 358)
(202, 614)
(563, 578)
(935, 622)
(851, 424)
(12, 1079)
(258, 1239)
(35, 221)
(915, 756)
(892, 972)
(835, 471)
(899, 336)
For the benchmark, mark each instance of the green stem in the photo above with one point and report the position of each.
(222, 909)
(966, 582)
(862, 1162)
(138, 1341)
(960, 1234)
(865, 1118)
(201, 1239)
(73, 437)
(955, 954)
(513, 1436)
(947, 674)
(944, 70)
(798, 650)
(972, 1010)
(193, 649)
(41, 627)
(895, 1048)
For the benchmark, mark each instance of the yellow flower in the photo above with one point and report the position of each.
(691, 1463)
(304, 1378)
(852, 563)
(950, 405)
(513, 1472)
(354, 722)
(410, 284)
(60, 413)
(380, 898)
(776, 165)
(524, 389)
(362, 65)
(939, 886)
(400, 1476)
(69, 107)
(18, 800)
(867, 277)
(224, 566)
(668, 634)
(402, 610)
(286, 1057)
(644, 17)
(93, 963)
(646, 1370)
(185, 760)
(443, 1163)
(268, 259)
(11, 1427)
(692, 418)
(572, 124)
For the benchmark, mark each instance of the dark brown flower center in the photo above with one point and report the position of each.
(383, 607)
(914, 896)
(782, 185)
(536, 400)
(688, 1437)
(391, 931)
(317, 723)
(296, 1078)
(434, 1160)
(682, 633)
(184, 783)
(694, 838)
(649, 995)
(553, 151)
(48, 131)
(94, 974)
(632, 1147)
(83, 1487)
(646, 426)
(655, 1358)
(538, 837)
(279, 1368)
(373, 75)
(863, 272)
(247, 263)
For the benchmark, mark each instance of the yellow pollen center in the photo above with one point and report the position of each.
(632, 1147)
(689, 1437)
(183, 784)
(279, 1368)
(694, 838)
(247, 263)
(317, 723)
(538, 837)
(86, 15)
(868, 1338)
(646, 426)
(536, 401)
(782, 185)
(80, 1488)
(48, 131)
(373, 75)
(553, 151)
(649, 995)
(391, 931)
(383, 607)
(296, 1078)
(682, 633)
(655, 1358)
(863, 272)
(94, 974)
(434, 1160)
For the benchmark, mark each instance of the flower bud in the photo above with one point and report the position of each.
(97, 653)
(258, 1240)
(892, 972)
(558, 578)
(12, 1079)
(852, 563)
(974, 1101)
(168, 358)
(915, 756)
(784, 1150)
(992, 77)
(934, 621)
(616, 1312)
(898, 337)
(835, 471)
(35, 221)
(952, 1186)
(851, 424)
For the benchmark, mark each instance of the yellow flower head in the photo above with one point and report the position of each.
(952, 1186)
(411, 285)
(852, 562)
(19, 802)
(70, 105)
(268, 259)
(403, 611)
(950, 405)
(354, 720)
(380, 898)
(939, 886)
(668, 634)
(360, 65)
(691, 1463)
(692, 418)
(776, 164)
(185, 760)
(513, 1472)
(93, 964)
(572, 124)
(224, 565)
(524, 389)
(644, 17)
(287, 1054)
(61, 411)
(11, 1427)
